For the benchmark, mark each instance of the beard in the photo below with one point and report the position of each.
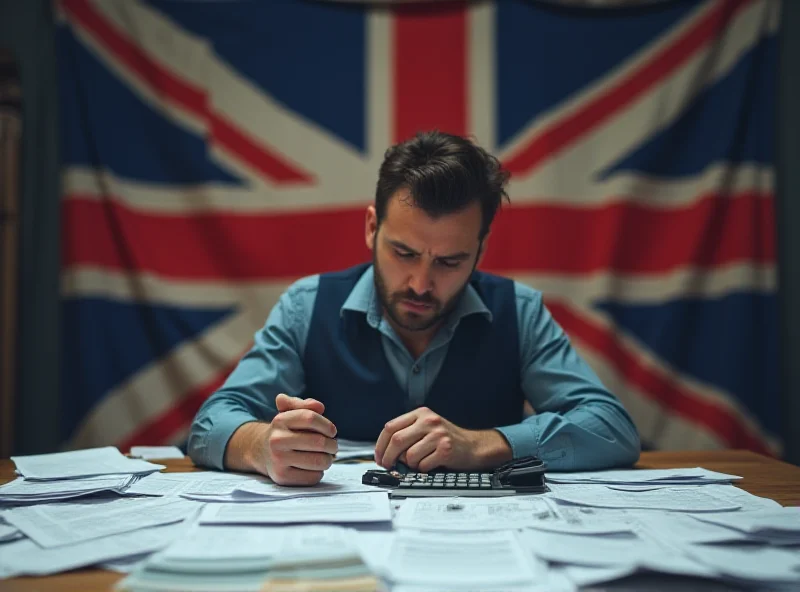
(407, 319)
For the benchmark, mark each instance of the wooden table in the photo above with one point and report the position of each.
(763, 476)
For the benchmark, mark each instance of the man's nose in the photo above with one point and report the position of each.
(421, 280)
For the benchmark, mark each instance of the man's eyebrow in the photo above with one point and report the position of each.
(460, 256)
(402, 246)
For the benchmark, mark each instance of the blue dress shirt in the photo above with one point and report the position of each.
(578, 424)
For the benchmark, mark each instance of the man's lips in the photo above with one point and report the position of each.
(417, 306)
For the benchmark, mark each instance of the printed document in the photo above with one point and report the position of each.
(53, 525)
(453, 513)
(355, 507)
(460, 560)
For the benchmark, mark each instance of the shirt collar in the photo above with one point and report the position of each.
(364, 299)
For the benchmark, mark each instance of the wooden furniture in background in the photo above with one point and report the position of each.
(10, 145)
(763, 476)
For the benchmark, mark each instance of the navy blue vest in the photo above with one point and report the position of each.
(478, 386)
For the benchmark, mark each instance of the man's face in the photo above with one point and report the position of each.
(422, 265)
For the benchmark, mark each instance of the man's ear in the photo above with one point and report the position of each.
(371, 227)
(482, 248)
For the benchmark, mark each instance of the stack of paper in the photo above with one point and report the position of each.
(81, 463)
(257, 558)
(21, 490)
(320, 558)
(645, 478)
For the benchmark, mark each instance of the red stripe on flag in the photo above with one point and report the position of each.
(623, 237)
(211, 246)
(555, 137)
(666, 391)
(430, 69)
(630, 237)
(169, 87)
(256, 156)
(166, 85)
(161, 429)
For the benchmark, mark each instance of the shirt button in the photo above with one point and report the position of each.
(415, 369)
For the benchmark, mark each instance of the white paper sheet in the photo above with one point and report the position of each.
(53, 525)
(746, 500)
(355, 507)
(25, 557)
(460, 560)
(81, 463)
(25, 490)
(779, 519)
(207, 542)
(644, 476)
(157, 452)
(469, 514)
(337, 479)
(202, 483)
(679, 499)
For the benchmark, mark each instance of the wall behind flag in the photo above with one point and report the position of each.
(26, 29)
(198, 163)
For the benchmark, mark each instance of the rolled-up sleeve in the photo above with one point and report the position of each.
(272, 366)
(578, 424)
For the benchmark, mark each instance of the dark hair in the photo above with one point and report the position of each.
(444, 174)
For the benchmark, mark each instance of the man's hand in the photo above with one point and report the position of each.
(294, 449)
(424, 441)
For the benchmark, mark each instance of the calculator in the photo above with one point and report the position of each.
(520, 476)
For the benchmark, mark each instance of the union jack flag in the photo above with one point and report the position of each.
(213, 152)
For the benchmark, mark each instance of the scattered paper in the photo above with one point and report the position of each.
(25, 557)
(159, 452)
(337, 479)
(81, 463)
(355, 507)
(53, 525)
(460, 560)
(748, 562)
(677, 499)
(693, 476)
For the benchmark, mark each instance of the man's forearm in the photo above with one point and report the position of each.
(247, 448)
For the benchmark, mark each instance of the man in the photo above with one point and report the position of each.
(418, 351)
